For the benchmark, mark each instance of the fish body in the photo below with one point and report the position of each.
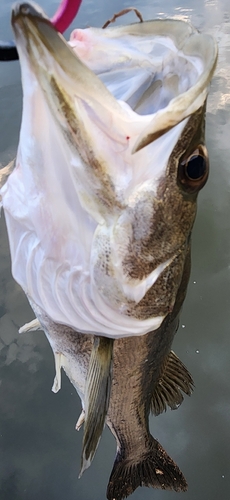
(100, 208)
(147, 376)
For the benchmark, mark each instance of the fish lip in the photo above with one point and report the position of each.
(24, 10)
(30, 22)
(26, 15)
(27, 22)
(37, 38)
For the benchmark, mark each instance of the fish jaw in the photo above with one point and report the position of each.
(101, 132)
(88, 221)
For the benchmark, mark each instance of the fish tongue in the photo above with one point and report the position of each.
(97, 396)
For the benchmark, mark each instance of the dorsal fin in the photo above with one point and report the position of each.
(174, 380)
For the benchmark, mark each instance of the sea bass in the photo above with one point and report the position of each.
(99, 210)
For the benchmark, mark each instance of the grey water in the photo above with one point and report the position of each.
(39, 447)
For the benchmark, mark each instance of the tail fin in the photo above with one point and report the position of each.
(154, 468)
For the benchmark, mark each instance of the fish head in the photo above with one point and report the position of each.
(111, 157)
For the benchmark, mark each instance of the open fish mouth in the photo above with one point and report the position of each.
(94, 167)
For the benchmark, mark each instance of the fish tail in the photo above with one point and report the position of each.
(97, 394)
(154, 468)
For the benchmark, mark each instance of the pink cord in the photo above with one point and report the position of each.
(65, 14)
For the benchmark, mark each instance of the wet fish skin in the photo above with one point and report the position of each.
(138, 366)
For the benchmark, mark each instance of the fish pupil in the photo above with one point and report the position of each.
(196, 167)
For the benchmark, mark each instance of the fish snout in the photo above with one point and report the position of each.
(23, 10)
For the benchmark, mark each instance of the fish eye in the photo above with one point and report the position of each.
(195, 166)
(193, 169)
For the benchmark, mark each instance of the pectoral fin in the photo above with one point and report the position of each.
(97, 395)
(5, 173)
(174, 379)
(31, 326)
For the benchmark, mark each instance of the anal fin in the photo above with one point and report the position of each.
(174, 380)
(97, 394)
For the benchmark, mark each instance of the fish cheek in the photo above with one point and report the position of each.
(174, 207)
(160, 298)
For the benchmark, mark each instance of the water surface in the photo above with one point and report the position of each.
(39, 448)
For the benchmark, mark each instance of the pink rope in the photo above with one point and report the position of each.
(65, 14)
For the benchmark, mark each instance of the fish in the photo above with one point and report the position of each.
(99, 208)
